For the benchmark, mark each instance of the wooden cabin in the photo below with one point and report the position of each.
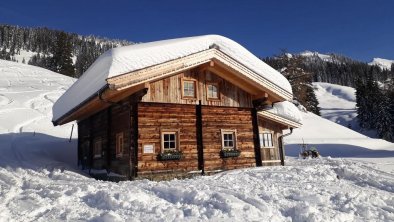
(200, 112)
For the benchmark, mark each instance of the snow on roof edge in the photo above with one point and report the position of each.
(118, 61)
(286, 110)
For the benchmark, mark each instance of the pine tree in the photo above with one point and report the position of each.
(384, 119)
(361, 103)
(300, 80)
(372, 100)
(312, 104)
(390, 96)
(61, 61)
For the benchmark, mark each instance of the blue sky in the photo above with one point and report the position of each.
(360, 29)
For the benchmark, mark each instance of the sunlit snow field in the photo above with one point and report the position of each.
(39, 180)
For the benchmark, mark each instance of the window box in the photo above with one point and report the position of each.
(229, 153)
(170, 155)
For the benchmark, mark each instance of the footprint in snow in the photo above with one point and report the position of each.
(4, 100)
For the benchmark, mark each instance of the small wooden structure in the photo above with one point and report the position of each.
(197, 114)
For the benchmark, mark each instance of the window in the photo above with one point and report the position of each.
(266, 140)
(189, 88)
(212, 91)
(169, 141)
(228, 139)
(98, 148)
(119, 144)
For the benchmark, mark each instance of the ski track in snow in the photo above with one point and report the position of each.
(39, 180)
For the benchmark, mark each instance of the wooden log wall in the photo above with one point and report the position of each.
(169, 90)
(105, 125)
(228, 118)
(84, 155)
(270, 154)
(154, 117)
(90, 130)
(120, 123)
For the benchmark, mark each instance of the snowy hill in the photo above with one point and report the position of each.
(39, 180)
(382, 63)
(337, 134)
(338, 104)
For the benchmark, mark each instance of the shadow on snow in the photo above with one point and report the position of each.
(36, 150)
(340, 150)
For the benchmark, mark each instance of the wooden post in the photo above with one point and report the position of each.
(281, 153)
(90, 158)
(133, 114)
(71, 134)
(256, 139)
(109, 131)
(199, 136)
(134, 110)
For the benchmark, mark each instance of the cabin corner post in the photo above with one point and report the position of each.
(90, 161)
(256, 139)
(200, 144)
(134, 142)
(281, 151)
(135, 99)
(109, 131)
(79, 151)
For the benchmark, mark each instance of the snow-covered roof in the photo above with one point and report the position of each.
(127, 59)
(286, 110)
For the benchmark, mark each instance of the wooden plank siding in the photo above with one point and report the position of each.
(270, 154)
(104, 126)
(154, 117)
(120, 123)
(214, 119)
(169, 90)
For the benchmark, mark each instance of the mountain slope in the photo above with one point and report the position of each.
(335, 132)
(38, 46)
(338, 104)
(27, 94)
(39, 180)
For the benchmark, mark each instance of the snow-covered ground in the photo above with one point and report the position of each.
(344, 139)
(338, 104)
(39, 180)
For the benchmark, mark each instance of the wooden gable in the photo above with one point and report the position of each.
(169, 90)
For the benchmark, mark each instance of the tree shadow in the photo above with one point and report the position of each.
(340, 150)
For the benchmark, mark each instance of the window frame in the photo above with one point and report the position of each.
(177, 142)
(95, 149)
(119, 150)
(262, 139)
(183, 80)
(234, 133)
(207, 84)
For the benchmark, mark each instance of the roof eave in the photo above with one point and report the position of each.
(279, 119)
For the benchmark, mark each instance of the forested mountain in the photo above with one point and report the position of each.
(67, 53)
(336, 69)
(373, 82)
